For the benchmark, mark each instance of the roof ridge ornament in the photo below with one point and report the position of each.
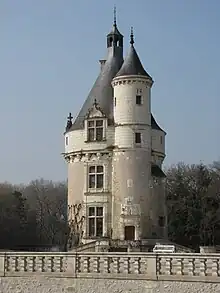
(69, 122)
(132, 36)
(96, 111)
(95, 104)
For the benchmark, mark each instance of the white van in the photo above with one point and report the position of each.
(162, 248)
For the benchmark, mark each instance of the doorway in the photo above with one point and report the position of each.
(129, 232)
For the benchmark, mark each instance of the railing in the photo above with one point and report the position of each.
(189, 266)
(193, 267)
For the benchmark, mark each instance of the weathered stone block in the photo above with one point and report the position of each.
(2, 264)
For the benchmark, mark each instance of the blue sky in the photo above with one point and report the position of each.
(49, 56)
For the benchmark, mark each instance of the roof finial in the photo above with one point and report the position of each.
(69, 122)
(115, 15)
(132, 36)
(95, 102)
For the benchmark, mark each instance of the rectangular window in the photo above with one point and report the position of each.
(95, 130)
(161, 140)
(96, 177)
(137, 137)
(115, 102)
(67, 140)
(138, 100)
(161, 221)
(96, 221)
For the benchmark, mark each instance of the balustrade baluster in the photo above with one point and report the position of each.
(208, 267)
(143, 265)
(197, 265)
(115, 264)
(202, 267)
(106, 264)
(177, 269)
(137, 265)
(93, 264)
(126, 265)
(215, 267)
(21, 264)
(190, 267)
(86, 264)
(168, 265)
(97, 264)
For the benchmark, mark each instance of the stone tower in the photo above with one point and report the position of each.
(115, 150)
(138, 211)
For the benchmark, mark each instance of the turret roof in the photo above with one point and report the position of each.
(155, 125)
(102, 90)
(132, 64)
(114, 31)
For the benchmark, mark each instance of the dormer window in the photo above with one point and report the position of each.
(95, 130)
(95, 124)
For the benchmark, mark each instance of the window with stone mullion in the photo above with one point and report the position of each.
(95, 130)
(96, 177)
(95, 221)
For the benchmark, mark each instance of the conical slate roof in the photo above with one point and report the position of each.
(102, 91)
(114, 31)
(132, 65)
(155, 125)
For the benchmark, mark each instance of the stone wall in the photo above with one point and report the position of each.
(112, 272)
(69, 285)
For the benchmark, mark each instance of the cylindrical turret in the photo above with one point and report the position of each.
(132, 158)
(133, 208)
(132, 111)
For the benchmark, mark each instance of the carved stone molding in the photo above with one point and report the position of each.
(130, 210)
(129, 81)
(87, 157)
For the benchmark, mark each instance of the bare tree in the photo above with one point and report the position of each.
(75, 225)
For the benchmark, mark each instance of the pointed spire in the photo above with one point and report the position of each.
(132, 36)
(115, 16)
(132, 64)
(114, 38)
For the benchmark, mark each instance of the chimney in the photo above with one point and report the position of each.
(102, 62)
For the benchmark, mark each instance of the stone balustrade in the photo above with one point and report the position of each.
(150, 266)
